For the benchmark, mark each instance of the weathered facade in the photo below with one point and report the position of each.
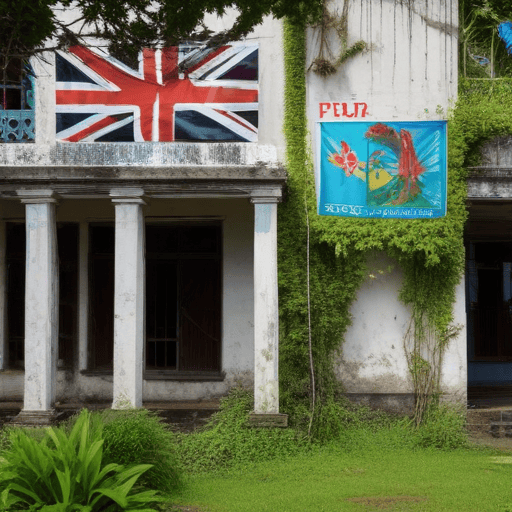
(138, 271)
(94, 235)
(488, 274)
(407, 73)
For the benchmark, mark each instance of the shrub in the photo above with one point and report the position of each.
(138, 436)
(65, 472)
(227, 441)
(443, 428)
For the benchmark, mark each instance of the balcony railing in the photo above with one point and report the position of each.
(17, 126)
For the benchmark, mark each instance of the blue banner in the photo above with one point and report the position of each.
(381, 169)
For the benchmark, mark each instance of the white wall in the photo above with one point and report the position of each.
(409, 72)
(373, 357)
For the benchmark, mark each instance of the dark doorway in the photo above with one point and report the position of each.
(101, 306)
(67, 243)
(489, 300)
(183, 298)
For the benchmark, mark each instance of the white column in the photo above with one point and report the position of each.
(41, 302)
(3, 295)
(44, 70)
(83, 295)
(266, 313)
(128, 298)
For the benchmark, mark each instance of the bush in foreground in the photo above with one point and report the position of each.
(66, 472)
(227, 441)
(443, 428)
(138, 436)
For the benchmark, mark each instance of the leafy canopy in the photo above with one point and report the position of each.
(128, 25)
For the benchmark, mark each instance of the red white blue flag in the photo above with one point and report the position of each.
(216, 99)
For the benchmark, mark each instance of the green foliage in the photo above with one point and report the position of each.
(334, 278)
(479, 20)
(65, 472)
(129, 25)
(228, 442)
(442, 428)
(138, 436)
(429, 251)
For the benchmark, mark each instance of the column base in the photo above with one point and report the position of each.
(34, 418)
(268, 420)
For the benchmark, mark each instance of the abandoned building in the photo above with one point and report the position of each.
(138, 231)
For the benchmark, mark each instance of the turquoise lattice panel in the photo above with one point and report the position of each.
(17, 126)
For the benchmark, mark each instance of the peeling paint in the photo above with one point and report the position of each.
(267, 354)
(263, 218)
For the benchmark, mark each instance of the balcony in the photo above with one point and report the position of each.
(17, 126)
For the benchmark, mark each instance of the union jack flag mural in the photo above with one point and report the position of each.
(214, 99)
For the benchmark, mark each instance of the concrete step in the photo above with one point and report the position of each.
(494, 422)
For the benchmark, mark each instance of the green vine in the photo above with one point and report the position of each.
(429, 251)
(334, 279)
(326, 63)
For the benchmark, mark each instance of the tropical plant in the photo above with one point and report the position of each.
(65, 472)
(483, 54)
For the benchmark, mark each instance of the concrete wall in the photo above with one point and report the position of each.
(372, 365)
(410, 67)
(408, 72)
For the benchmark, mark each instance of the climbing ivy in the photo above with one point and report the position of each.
(334, 278)
(429, 251)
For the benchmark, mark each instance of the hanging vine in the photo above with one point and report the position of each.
(429, 251)
(313, 309)
(327, 62)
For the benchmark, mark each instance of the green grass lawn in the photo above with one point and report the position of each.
(335, 478)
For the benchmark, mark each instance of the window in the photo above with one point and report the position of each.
(67, 241)
(490, 300)
(101, 306)
(17, 102)
(183, 298)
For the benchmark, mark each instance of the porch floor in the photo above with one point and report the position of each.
(184, 416)
(489, 397)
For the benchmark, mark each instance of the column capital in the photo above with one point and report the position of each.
(37, 196)
(267, 195)
(129, 195)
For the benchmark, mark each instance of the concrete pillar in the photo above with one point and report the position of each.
(45, 100)
(83, 296)
(41, 306)
(128, 298)
(266, 312)
(4, 359)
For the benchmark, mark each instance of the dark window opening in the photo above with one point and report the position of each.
(16, 88)
(101, 317)
(162, 314)
(489, 291)
(183, 298)
(15, 259)
(67, 241)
